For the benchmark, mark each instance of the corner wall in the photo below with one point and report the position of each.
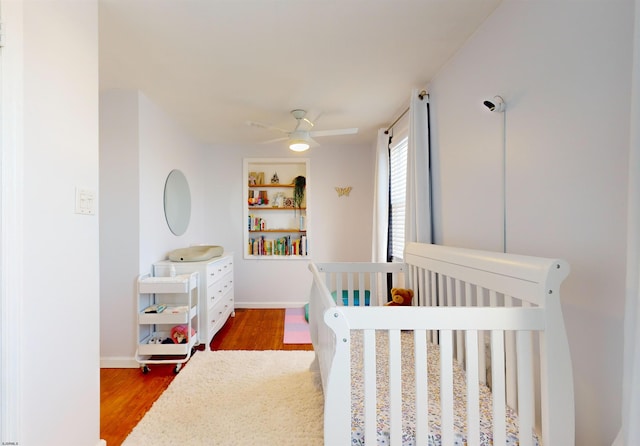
(139, 146)
(564, 70)
(53, 94)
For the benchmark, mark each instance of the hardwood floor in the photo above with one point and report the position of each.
(127, 394)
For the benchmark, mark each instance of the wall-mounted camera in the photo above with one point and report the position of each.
(495, 105)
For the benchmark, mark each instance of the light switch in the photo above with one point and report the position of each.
(85, 201)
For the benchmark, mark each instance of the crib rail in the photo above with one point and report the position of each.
(449, 277)
(498, 315)
(499, 321)
(355, 278)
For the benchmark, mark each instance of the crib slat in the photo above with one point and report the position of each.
(482, 349)
(370, 396)
(395, 387)
(526, 401)
(482, 363)
(420, 354)
(361, 288)
(339, 289)
(473, 389)
(434, 289)
(433, 300)
(422, 288)
(373, 289)
(459, 333)
(467, 303)
(446, 386)
(328, 278)
(497, 387)
(349, 290)
(511, 368)
(493, 298)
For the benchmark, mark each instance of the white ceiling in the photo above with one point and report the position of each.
(214, 64)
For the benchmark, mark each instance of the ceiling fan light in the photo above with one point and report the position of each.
(298, 145)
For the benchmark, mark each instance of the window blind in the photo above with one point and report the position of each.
(397, 197)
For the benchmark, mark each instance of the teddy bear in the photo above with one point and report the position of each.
(400, 297)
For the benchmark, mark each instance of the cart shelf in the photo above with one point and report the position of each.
(163, 303)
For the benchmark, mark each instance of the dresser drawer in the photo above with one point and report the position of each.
(215, 302)
(216, 270)
(219, 312)
(219, 288)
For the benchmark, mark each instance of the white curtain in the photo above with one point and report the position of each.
(418, 211)
(381, 199)
(630, 432)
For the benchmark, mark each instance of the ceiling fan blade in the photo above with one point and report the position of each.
(313, 116)
(267, 126)
(269, 141)
(334, 132)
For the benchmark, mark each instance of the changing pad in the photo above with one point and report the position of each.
(196, 253)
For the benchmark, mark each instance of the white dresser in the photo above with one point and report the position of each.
(216, 302)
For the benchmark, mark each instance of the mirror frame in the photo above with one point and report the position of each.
(177, 202)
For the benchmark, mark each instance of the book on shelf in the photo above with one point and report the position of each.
(281, 246)
(155, 308)
(257, 223)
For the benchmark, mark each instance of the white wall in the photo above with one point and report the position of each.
(339, 227)
(139, 146)
(564, 69)
(54, 48)
(119, 219)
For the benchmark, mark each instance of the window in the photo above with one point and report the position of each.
(397, 198)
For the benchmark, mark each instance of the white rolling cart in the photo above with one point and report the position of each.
(216, 291)
(163, 304)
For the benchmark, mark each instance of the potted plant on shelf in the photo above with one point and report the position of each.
(299, 184)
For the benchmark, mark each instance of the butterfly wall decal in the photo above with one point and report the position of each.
(343, 191)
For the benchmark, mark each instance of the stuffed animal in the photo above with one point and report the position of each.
(400, 297)
(180, 334)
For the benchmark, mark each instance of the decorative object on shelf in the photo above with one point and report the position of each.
(278, 200)
(262, 198)
(276, 214)
(343, 191)
(299, 183)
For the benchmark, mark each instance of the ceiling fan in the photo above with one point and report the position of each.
(301, 137)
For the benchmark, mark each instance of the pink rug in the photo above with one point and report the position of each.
(296, 328)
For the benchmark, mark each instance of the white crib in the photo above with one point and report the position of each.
(488, 320)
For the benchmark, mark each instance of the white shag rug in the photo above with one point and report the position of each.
(237, 398)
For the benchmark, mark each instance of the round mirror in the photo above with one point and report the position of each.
(177, 202)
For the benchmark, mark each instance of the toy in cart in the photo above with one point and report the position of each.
(167, 317)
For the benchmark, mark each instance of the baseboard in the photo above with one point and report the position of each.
(118, 363)
(268, 305)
